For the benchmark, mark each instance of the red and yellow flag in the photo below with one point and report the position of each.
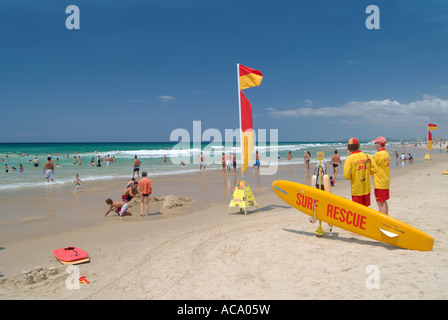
(249, 77)
(247, 143)
(432, 126)
(429, 140)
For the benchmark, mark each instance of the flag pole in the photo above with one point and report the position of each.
(241, 126)
(241, 138)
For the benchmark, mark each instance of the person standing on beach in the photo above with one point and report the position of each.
(202, 161)
(234, 162)
(49, 166)
(136, 167)
(357, 168)
(229, 161)
(257, 160)
(381, 180)
(145, 185)
(77, 182)
(223, 162)
(306, 159)
(335, 161)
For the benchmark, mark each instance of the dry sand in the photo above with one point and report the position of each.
(199, 251)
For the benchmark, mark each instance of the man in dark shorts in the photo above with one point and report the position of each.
(136, 167)
(335, 161)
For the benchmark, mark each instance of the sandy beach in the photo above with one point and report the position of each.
(200, 251)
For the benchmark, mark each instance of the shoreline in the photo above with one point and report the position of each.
(157, 256)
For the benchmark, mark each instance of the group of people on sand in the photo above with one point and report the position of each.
(228, 161)
(142, 189)
(403, 156)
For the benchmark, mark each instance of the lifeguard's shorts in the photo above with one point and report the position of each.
(364, 199)
(381, 195)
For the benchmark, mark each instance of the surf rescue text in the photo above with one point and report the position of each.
(338, 213)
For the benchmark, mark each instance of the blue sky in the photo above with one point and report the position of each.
(136, 70)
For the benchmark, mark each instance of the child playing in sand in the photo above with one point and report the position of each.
(120, 207)
(77, 181)
(130, 183)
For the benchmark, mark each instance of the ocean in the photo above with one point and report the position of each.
(151, 155)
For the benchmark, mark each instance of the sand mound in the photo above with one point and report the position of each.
(172, 201)
(169, 201)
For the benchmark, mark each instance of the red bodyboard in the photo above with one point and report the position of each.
(70, 254)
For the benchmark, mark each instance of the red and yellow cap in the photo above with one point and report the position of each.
(353, 141)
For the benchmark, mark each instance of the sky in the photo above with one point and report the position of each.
(136, 70)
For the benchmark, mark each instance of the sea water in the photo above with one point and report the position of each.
(180, 159)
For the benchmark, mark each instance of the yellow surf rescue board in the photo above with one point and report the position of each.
(351, 216)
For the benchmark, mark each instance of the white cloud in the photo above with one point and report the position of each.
(444, 87)
(382, 112)
(308, 102)
(166, 98)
